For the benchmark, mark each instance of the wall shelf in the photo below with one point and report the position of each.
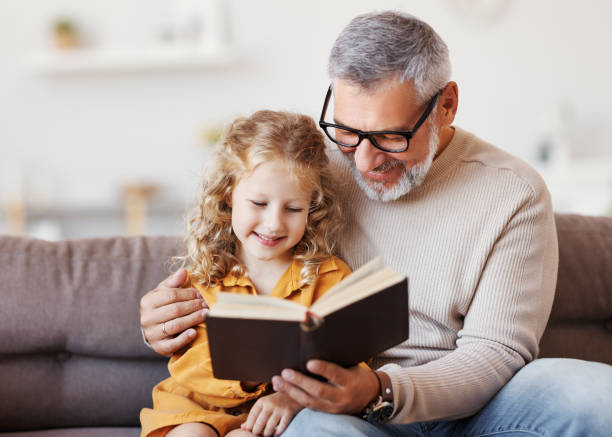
(162, 57)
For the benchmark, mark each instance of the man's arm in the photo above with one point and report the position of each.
(516, 285)
(170, 309)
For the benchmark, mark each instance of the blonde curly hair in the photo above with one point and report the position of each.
(295, 139)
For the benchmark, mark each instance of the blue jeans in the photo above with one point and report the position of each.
(547, 398)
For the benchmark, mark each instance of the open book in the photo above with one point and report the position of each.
(253, 338)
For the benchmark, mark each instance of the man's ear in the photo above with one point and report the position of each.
(449, 101)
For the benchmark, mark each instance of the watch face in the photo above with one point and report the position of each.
(381, 413)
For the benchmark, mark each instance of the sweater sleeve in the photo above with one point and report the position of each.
(516, 286)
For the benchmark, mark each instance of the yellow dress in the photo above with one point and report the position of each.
(191, 393)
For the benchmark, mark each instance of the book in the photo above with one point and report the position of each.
(252, 338)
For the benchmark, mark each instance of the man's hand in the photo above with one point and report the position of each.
(170, 309)
(271, 414)
(347, 391)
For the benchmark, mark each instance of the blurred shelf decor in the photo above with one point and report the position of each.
(67, 222)
(195, 36)
(65, 33)
(582, 187)
(579, 179)
(30, 206)
(160, 57)
(136, 199)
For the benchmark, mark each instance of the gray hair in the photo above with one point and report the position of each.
(377, 46)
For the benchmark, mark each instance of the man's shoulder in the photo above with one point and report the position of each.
(497, 162)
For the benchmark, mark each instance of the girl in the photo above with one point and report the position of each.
(264, 224)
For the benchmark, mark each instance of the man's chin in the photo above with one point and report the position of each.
(379, 186)
(383, 191)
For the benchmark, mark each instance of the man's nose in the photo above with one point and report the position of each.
(367, 156)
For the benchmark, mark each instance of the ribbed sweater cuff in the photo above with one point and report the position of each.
(403, 389)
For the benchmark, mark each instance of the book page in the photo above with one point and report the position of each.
(365, 270)
(358, 290)
(256, 307)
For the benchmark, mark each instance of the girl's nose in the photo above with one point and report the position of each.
(274, 219)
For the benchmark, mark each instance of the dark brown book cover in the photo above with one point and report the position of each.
(256, 349)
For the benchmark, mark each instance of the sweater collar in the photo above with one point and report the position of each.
(449, 156)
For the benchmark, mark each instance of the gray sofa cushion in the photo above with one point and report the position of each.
(71, 352)
(580, 324)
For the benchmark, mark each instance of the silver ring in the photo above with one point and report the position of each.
(164, 329)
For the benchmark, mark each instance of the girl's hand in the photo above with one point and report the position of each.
(271, 414)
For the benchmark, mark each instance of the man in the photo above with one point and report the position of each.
(473, 229)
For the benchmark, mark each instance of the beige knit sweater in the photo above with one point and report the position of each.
(478, 243)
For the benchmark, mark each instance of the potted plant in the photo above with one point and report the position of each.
(65, 33)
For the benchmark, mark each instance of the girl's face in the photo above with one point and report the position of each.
(269, 212)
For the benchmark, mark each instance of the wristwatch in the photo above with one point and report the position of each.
(381, 408)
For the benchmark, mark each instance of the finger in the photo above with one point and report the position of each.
(270, 427)
(311, 386)
(177, 279)
(334, 373)
(168, 329)
(171, 344)
(298, 395)
(262, 420)
(165, 295)
(171, 311)
(253, 415)
(282, 424)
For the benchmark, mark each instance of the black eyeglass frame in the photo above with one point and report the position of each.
(370, 134)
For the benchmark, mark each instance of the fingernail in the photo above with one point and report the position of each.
(204, 313)
(312, 365)
(191, 333)
(287, 374)
(204, 304)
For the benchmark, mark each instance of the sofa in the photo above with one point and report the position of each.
(72, 359)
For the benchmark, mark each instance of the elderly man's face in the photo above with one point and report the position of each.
(391, 106)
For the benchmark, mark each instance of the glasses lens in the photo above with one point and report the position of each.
(390, 141)
(343, 136)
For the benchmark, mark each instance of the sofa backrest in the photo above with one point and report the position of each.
(580, 324)
(71, 351)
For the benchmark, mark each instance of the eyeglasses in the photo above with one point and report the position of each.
(387, 141)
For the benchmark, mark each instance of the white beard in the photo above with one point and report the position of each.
(408, 180)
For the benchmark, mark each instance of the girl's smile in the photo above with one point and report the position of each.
(269, 213)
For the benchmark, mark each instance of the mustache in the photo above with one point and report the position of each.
(385, 166)
(388, 165)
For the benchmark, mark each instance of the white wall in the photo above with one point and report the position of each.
(76, 138)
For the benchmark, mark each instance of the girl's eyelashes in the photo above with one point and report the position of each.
(261, 204)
